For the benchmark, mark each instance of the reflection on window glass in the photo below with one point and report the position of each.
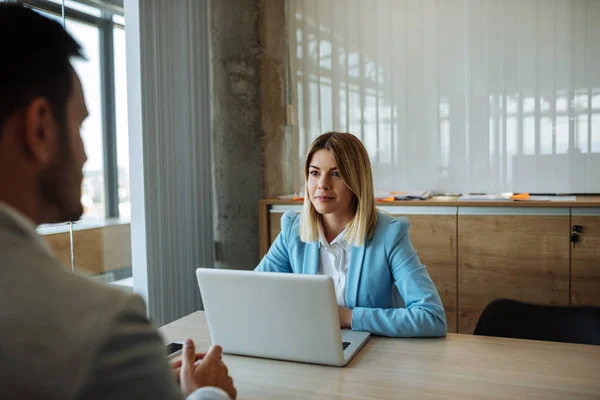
(353, 64)
(528, 105)
(528, 113)
(511, 105)
(343, 110)
(121, 120)
(386, 152)
(93, 194)
(580, 101)
(445, 146)
(444, 109)
(385, 141)
(511, 147)
(370, 71)
(370, 125)
(511, 135)
(325, 54)
(326, 98)
(546, 136)
(544, 104)
(312, 46)
(501, 147)
(529, 135)
(562, 135)
(342, 60)
(354, 112)
(596, 101)
(313, 110)
(596, 133)
(561, 103)
(492, 137)
(581, 133)
(299, 48)
(300, 94)
(382, 76)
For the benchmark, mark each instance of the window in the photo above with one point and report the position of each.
(93, 193)
(100, 33)
(100, 242)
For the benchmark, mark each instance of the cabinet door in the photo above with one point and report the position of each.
(434, 239)
(519, 253)
(585, 257)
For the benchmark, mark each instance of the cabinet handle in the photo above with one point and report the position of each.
(574, 238)
(577, 228)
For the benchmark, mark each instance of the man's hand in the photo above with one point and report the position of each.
(345, 317)
(176, 366)
(210, 371)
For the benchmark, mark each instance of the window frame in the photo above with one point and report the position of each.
(105, 25)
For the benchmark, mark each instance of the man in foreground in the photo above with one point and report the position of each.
(64, 336)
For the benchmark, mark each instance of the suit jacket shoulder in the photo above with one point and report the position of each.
(60, 330)
(389, 230)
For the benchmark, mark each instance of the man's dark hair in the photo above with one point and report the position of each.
(35, 61)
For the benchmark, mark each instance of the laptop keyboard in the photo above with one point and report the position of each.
(345, 344)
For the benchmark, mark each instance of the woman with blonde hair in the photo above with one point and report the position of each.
(340, 233)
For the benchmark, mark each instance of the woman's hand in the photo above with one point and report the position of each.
(345, 317)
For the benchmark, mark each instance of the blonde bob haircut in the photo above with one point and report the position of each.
(354, 167)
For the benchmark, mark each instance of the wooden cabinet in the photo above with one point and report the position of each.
(585, 257)
(517, 253)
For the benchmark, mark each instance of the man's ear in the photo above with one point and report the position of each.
(40, 131)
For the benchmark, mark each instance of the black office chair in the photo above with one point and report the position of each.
(520, 320)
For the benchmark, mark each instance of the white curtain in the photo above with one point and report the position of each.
(170, 142)
(453, 95)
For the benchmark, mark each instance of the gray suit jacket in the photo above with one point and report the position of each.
(63, 336)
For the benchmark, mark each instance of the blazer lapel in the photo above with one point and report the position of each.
(311, 258)
(357, 256)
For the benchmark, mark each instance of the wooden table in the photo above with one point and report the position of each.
(455, 367)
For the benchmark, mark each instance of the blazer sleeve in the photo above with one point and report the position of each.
(277, 259)
(131, 362)
(424, 313)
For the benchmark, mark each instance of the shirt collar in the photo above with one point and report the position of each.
(25, 224)
(340, 240)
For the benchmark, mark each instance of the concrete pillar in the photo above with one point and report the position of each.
(237, 130)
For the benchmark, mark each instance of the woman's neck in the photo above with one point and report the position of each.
(334, 224)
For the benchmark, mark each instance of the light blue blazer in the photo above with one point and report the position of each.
(387, 259)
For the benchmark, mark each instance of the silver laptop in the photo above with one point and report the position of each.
(277, 315)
